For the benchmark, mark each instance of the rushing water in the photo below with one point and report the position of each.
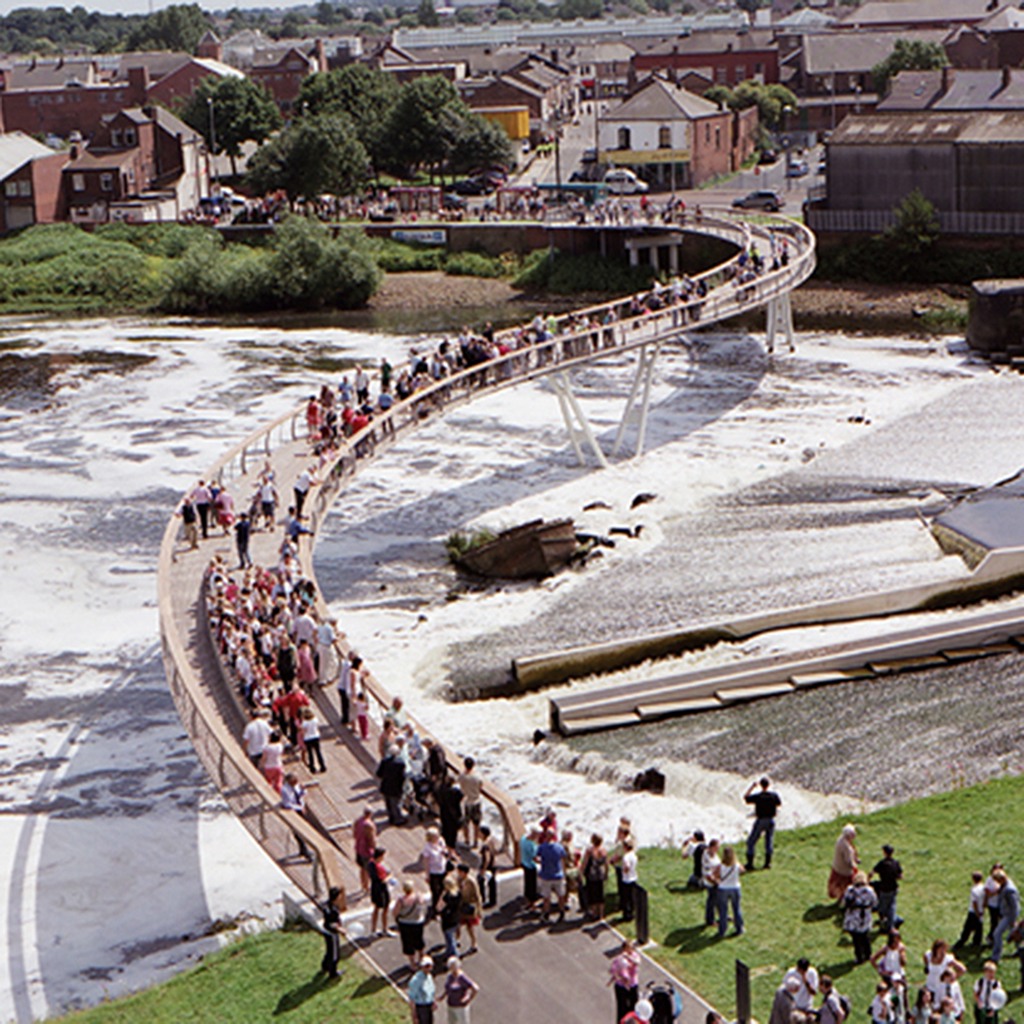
(775, 482)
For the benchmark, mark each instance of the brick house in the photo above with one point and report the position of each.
(30, 177)
(673, 138)
(283, 77)
(733, 57)
(143, 165)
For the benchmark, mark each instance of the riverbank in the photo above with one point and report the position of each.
(817, 305)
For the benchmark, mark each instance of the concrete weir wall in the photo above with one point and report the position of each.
(999, 572)
(995, 326)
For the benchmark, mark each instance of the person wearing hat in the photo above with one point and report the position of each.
(888, 873)
(423, 993)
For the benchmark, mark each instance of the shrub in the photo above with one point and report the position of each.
(461, 541)
(171, 240)
(564, 274)
(473, 264)
(396, 257)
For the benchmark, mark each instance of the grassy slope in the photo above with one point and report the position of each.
(939, 841)
(270, 976)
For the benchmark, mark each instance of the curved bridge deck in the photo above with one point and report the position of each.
(204, 692)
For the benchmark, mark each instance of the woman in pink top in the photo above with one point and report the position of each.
(306, 670)
(625, 974)
(271, 762)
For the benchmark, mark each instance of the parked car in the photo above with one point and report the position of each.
(451, 201)
(761, 199)
(768, 156)
(589, 156)
(473, 187)
(797, 168)
(822, 166)
(622, 181)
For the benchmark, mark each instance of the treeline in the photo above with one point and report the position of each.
(53, 30)
(352, 124)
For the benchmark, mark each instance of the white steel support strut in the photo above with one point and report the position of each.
(780, 319)
(575, 422)
(641, 386)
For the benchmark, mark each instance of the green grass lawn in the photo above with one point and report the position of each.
(271, 976)
(939, 841)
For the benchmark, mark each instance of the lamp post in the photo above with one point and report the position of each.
(213, 140)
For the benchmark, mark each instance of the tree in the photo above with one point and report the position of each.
(773, 102)
(916, 228)
(242, 110)
(908, 55)
(572, 9)
(477, 142)
(426, 15)
(315, 155)
(178, 27)
(365, 95)
(420, 133)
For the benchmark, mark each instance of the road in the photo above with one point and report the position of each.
(578, 136)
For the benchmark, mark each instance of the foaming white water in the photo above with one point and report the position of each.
(103, 424)
(732, 425)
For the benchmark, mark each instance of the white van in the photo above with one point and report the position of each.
(622, 181)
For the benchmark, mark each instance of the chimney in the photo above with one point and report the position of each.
(138, 85)
(320, 55)
(74, 151)
(947, 79)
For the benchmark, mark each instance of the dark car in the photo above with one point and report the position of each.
(761, 199)
(451, 201)
(768, 156)
(472, 187)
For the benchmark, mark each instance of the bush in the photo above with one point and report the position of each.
(170, 240)
(473, 264)
(459, 542)
(396, 257)
(304, 267)
(564, 274)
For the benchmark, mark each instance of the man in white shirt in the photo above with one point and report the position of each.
(256, 735)
(808, 978)
(974, 924)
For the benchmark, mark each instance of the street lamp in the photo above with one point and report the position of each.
(213, 139)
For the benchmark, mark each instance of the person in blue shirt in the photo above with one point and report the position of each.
(551, 855)
(422, 993)
(528, 860)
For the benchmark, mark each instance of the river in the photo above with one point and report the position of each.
(775, 482)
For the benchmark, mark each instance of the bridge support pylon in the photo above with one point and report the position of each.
(639, 401)
(780, 320)
(575, 421)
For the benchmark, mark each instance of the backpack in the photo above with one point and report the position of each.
(845, 1005)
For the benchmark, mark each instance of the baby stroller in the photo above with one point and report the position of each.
(665, 1001)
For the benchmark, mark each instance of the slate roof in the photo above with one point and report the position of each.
(659, 100)
(852, 52)
(930, 127)
(17, 149)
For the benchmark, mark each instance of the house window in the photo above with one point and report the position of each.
(129, 137)
(759, 70)
(741, 72)
(78, 182)
(25, 187)
(718, 138)
(625, 138)
(664, 137)
(10, 188)
(722, 76)
(106, 183)
(115, 137)
(707, 133)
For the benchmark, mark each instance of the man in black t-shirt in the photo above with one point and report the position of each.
(888, 873)
(766, 803)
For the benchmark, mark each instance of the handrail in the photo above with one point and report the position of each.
(250, 796)
(235, 775)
